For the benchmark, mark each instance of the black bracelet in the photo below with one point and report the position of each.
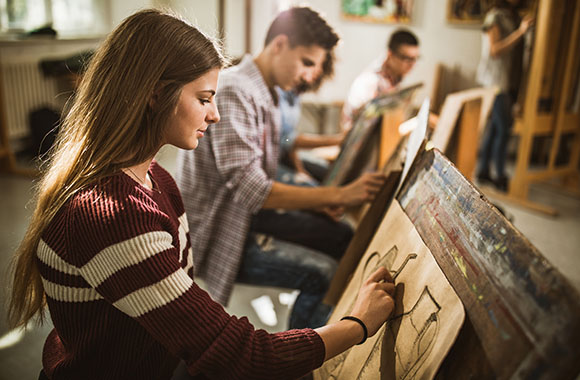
(361, 323)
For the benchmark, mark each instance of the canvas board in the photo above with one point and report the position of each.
(451, 109)
(415, 140)
(427, 317)
(365, 124)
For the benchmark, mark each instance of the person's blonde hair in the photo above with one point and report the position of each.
(113, 123)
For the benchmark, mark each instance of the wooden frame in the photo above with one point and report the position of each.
(472, 12)
(379, 12)
(560, 119)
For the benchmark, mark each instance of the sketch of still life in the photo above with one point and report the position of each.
(427, 317)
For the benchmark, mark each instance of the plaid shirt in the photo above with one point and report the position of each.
(230, 174)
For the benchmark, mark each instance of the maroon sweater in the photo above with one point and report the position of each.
(117, 271)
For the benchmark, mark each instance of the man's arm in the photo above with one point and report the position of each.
(297, 197)
(315, 141)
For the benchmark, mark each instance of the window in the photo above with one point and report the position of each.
(67, 17)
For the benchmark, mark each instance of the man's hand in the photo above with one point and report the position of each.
(333, 212)
(363, 189)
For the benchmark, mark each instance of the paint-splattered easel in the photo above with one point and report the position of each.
(522, 315)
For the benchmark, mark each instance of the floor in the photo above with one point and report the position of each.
(558, 239)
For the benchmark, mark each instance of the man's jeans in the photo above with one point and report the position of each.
(271, 262)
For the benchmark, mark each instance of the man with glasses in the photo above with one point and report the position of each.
(384, 75)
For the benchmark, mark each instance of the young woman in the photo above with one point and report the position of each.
(500, 66)
(108, 248)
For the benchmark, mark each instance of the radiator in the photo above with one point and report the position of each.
(24, 88)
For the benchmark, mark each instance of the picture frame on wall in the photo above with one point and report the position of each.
(377, 11)
(472, 12)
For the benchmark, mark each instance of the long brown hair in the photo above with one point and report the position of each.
(112, 124)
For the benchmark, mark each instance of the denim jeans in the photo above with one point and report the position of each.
(271, 262)
(308, 229)
(494, 144)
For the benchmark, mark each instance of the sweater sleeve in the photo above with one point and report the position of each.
(131, 260)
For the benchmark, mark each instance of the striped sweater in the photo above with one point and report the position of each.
(117, 271)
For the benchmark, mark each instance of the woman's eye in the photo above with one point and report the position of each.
(204, 101)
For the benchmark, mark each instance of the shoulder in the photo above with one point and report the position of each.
(493, 17)
(168, 186)
(111, 211)
(163, 178)
(236, 77)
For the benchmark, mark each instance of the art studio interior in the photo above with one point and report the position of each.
(284, 189)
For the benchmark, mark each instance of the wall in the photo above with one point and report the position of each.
(363, 42)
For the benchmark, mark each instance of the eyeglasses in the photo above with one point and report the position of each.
(406, 58)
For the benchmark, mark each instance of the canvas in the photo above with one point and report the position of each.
(365, 125)
(451, 109)
(427, 317)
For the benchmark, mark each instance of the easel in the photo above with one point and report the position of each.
(389, 134)
(521, 313)
(554, 19)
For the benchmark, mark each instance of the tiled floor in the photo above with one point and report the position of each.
(558, 238)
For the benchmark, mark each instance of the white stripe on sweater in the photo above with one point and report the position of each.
(64, 293)
(182, 233)
(122, 255)
(51, 259)
(183, 222)
(154, 296)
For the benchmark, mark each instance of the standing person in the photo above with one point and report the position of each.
(383, 75)
(500, 66)
(229, 186)
(108, 250)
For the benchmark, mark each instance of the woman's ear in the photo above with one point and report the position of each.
(153, 99)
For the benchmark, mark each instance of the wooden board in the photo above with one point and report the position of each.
(523, 316)
(451, 109)
(463, 150)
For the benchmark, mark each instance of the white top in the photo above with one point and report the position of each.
(494, 71)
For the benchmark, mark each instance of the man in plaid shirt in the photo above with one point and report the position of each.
(230, 178)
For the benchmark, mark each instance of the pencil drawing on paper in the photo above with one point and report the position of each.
(408, 337)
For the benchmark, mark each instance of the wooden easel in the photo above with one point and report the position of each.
(556, 20)
(390, 135)
(521, 313)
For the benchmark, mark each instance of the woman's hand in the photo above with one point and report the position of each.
(373, 306)
(527, 22)
(375, 300)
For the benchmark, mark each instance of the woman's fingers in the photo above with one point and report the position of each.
(381, 275)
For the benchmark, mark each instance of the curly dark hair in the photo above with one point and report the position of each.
(304, 27)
